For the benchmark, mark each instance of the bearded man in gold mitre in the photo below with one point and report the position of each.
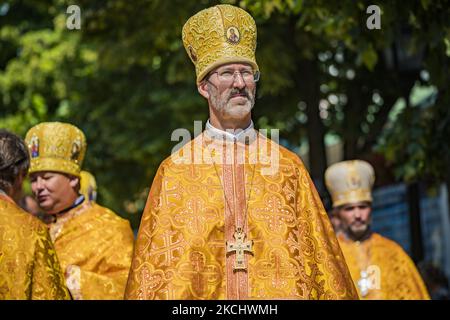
(93, 244)
(232, 214)
(379, 266)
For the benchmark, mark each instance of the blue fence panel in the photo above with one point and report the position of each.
(390, 218)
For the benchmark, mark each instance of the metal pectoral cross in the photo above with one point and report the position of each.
(363, 284)
(239, 246)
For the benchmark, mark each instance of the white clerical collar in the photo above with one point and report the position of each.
(229, 135)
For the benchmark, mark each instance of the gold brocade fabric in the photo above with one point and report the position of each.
(391, 274)
(94, 246)
(29, 268)
(56, 146)
(219, 35)
(193, 209)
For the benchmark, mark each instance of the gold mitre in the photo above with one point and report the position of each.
(219, 35)
(88, 185)
(350, 182)
(56, 146)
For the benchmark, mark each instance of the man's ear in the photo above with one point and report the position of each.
(74, 182)
(203, 89)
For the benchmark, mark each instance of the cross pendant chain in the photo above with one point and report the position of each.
(239, 247)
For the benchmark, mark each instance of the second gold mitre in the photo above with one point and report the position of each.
(56, 146)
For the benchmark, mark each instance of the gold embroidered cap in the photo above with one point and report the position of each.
(219, 35)
(350, 181)
(88, 185)
(56, 146)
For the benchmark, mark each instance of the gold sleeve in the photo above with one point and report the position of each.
(107, 279)
(47, 282)
(405, 282)
(140, 272)
(327, 275)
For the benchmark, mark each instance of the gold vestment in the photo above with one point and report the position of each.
(384, 270)
(194, 208)
(29, 267)
(95, 247)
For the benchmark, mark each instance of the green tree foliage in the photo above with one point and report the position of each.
(126, 81)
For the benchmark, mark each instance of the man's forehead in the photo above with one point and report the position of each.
(355, 204)
(47, 173)
(234, 66)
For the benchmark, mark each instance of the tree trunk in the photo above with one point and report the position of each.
(315, 126)
(352, 121)
(447, 183)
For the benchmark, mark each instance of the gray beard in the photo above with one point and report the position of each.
(224, 108)
(358, 234)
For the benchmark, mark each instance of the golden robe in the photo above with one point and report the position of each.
(194, 207)
(29, 268)
(382, 269)
(95, 247)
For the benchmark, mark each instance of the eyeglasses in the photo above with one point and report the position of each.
(227, 77)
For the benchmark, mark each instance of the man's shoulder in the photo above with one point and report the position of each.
(386, 243)
(15, 218)
(99, 222)
(191, 153)
(393, 251)
(106, 216)
(264, 144)
(12, 214)
(286, 155)
(179, 154)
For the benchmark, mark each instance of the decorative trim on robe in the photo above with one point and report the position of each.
(73, 281)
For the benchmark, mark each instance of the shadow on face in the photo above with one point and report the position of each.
(54, 191)
(355, 218)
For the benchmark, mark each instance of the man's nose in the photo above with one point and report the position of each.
(39, 183)
(238, 81)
